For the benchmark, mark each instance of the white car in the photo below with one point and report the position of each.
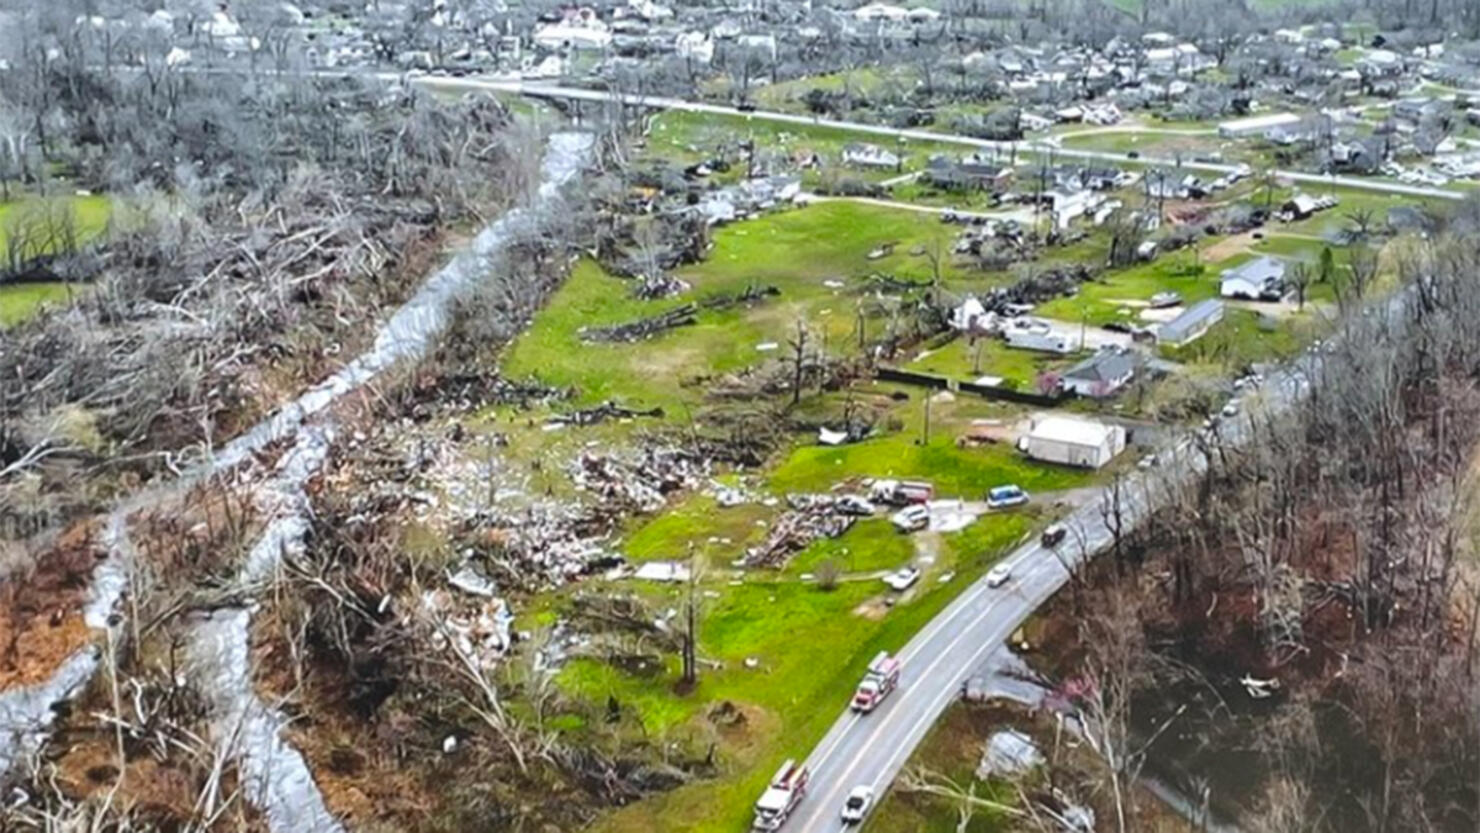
(911, 518)
(903, 579)
(1003, 497)
(1231, 409)
(858, 804)
(998, 575)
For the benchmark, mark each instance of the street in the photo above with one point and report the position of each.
(535, 90)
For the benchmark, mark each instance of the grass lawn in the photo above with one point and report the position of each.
(795, 250)
(1242, 338)
(91, 215)
(690, 137)
(810, 647)
(20, 301)
(1104, 301)
(960, 359)
(956, 472)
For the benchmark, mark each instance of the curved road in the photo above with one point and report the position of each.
(551, 91)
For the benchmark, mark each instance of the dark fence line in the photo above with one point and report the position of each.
(910, 377)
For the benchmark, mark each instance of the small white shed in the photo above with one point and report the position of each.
(1070, 441)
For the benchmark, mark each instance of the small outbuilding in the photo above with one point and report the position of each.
(1071, 441)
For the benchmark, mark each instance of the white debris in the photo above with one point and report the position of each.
(449, 744)
(471, 581)
(663, 571)
(767, 346)
(1008, 753)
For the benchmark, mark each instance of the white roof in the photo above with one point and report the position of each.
(1258, 122)
(1072, 431)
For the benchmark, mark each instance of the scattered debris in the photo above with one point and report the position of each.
(1008, 753)
(601, 413)
(811, 517)
(663, 571)
(681, 316)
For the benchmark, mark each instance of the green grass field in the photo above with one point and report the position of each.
(20, 301)
(794, 250)
(810, 647)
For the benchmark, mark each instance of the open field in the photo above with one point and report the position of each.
(19, 301)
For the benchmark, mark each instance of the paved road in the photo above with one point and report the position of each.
(551, 91)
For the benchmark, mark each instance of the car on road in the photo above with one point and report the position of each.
(858, 804)
(1054, 535)
(911, 518)
(903, 579)
(746, 106)
(998, 575)
(1133, 154)
(1003, 497)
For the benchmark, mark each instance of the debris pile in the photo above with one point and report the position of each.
(811, 517)
(680, 316)
(477, 626)
(639, 484)
(601, 413)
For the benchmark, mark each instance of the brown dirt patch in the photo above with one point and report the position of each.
(873, 609)
(41, 612)
(1229, 246)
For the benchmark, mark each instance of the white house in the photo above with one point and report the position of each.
(875, 12)
(1071, 205)
(695, 46)
(1261, 279)
(971, 316)
(1071, 441)
(582, 30)
(1029, 334)
(1256, 125)
(869, 156)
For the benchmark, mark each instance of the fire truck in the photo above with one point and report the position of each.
(781, 797)
(881, 679)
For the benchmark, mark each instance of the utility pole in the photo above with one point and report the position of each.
(925, 439)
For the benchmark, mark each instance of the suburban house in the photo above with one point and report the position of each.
(972, 317)
(1256, 125)
(1415, 109)
(869, 156)
(1029, 334)
(1071, 205)
(1191, 324)
(1071, 441)
(973, 170)
(1101, 375)
(1261, 279)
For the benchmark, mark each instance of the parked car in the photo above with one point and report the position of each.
(1054, 535)
(903, 579)
(911, 518)
(855, 505)
(1003, 497)
(1231, 409)
(858, 804)
(998, 575)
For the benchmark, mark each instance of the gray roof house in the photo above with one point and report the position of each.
(1102, 374)
(1261, 279)
(1191, 324)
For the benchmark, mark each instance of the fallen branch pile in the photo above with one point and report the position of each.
(797, 529)
(680, 316)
